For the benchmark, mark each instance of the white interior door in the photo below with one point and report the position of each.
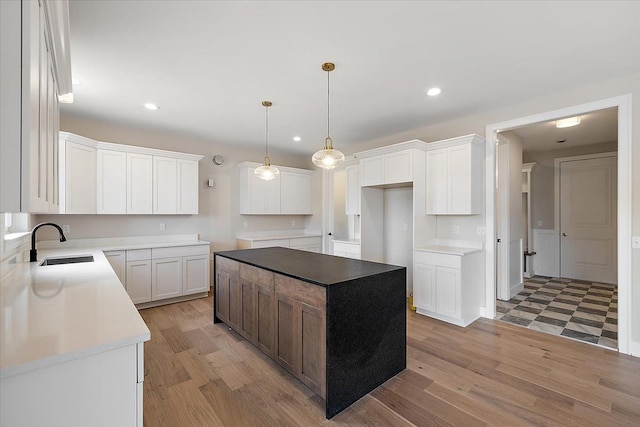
(588, 219)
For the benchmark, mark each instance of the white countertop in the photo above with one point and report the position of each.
(261, 237)
(53, 314)
(449, 250)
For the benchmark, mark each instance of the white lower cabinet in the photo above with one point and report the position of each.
(306, 243)
(169, 272)
(448, 287)
(166, 278)
(346, 249)
(117, 260)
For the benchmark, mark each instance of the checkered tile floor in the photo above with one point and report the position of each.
(572, 308)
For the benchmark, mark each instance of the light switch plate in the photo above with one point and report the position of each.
(456, 229)
(480, 230)
(635, 242)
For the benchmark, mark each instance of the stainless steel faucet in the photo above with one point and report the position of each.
(33, 253)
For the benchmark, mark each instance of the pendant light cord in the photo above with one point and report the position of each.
(266, 133)
(328, 102)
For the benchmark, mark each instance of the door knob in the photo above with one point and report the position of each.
(564, 234)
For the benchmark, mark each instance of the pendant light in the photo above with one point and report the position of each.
(266, 171)
(327, 158)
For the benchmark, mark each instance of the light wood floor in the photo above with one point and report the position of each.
(490, 373)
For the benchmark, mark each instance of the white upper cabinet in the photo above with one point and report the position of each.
(139, 183)
(392, 167)
(295, 193)
(165, 185)
(34, 40)
(289, 193)
(455, 176)
(352, 202)
(77, 176)
(105, 178)
(187, 187)
(112, 182)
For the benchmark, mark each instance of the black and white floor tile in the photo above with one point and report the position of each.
(586, 311)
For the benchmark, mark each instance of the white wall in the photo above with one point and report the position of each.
(398, 229)
(218, 220)
(476, 123)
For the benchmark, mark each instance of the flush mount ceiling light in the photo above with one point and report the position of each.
(434, 91)
(297, 139)
(568, 122)
(266, 171)
(151, 106)
(327, 158)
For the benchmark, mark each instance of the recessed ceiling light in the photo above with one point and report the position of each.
(568, 122)
(151, 106)
(75, 82)
(297, 139)
(434, 91)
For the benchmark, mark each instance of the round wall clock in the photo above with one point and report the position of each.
(218, 159)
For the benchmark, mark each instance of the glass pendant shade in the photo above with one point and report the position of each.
(266, 172)
(327, 158)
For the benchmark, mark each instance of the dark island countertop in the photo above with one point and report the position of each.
(319, 269)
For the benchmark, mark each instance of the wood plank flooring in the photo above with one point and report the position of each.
(490, 373)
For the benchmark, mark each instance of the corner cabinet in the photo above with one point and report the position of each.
(36, 69)
(289, 193)
(446, 285)
(106, 178)
(455, 176)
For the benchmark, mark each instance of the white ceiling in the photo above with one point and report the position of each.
(210, 64)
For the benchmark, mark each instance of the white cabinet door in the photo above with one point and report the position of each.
(258, 197)
(139, 183)
(166, 278)
(195, 274)
(139, 281)
(398, 167)
(165, 185)
(80, 179)
(112, 182)
(295, 193)
(437, 182)
(352, 203)
(187, 187)
(424, 286)
(448, 291)
(372, 171)
(459, 179)
(118, 263)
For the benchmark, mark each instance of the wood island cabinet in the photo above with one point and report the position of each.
(340, 329)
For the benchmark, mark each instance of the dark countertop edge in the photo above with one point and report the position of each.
(304, 279)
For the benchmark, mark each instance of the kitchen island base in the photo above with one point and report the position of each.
(336, 324)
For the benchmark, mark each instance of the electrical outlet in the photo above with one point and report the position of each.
(66, 228)
(245, 224)
(162, 226)
(635, 242)
(539, 223)
(293, 222)
(456, 229)
(480, 230)
(405, 227)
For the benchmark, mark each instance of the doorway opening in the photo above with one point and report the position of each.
(595, 300)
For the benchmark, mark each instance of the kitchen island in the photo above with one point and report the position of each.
(336, 324)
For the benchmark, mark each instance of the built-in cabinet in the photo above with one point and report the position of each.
(36, 69)
(390, 168)
(347, 249)
(227, 292)
(455, 176)
(352, 202)
(446, 285)
(105, 178)
(289, 193)
(257, 305)
(156, 274)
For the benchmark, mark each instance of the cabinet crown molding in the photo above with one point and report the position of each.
(450, 142)
(414, 143)
(67, 136)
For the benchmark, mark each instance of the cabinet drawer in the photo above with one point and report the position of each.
(226, 264)
(312, 295)
(443, 260)
(348, 248)
(176, 251)
(138, 254)
(304, 241)
(256, 275)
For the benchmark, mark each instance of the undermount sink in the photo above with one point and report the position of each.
(67, 260)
